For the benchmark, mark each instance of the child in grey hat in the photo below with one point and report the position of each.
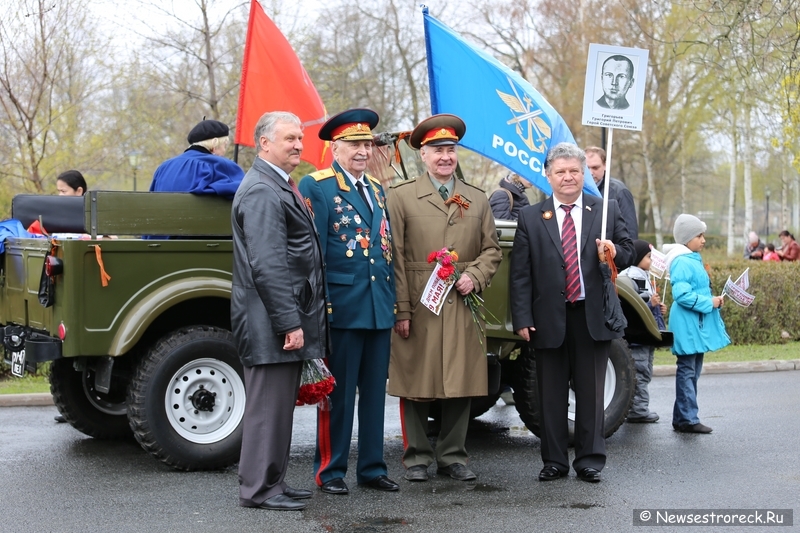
(694, 319)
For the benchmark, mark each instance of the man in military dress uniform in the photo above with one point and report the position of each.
(439, 357)
(349, 209)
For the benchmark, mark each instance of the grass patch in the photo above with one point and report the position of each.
(739, 353)
(26, 385)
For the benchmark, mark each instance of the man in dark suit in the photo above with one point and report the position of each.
(350, 214)
(277, 308)
(556, 289)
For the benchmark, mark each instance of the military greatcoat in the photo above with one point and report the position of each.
(443, 356)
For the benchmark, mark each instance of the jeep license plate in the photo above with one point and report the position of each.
(18, 363)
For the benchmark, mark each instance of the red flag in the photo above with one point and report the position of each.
(273, 79)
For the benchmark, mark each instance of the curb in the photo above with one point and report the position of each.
(39, 399)
(734, 368)
(44, 399)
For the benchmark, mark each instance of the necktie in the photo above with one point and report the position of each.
(293, 185)
(443, 193)
(360, 186)
(569, 244)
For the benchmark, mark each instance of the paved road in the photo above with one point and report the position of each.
(54, 479)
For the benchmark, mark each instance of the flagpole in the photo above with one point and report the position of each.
(606, 182)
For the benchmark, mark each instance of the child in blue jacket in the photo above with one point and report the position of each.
(694, 319)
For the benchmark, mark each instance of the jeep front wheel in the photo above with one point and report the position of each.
(186, 400)
(617, 397)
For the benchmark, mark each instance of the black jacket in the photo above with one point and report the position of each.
(502, 208)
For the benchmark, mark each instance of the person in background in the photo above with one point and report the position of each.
(790, 251)
(201, 168)
(642, 354)
(71, 183)
(770, 254)
(509, 197)
(694, 319)
(506, 202)
(596, 161)
(754, 249)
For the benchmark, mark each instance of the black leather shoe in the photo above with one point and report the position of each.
(382, 483)
(457, 471)
(649, 418)
(416, 473)
(282, 502)
(549, 473)
(589, 474)
(297, 494)
(335, 486)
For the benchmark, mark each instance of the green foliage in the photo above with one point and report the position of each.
(776, 308)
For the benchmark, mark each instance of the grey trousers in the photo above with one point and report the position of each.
(267, 436)
(643, 361)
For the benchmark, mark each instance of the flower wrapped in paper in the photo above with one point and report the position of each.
(445, 275)
(316, 384)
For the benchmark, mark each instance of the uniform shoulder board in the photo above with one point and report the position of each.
(473, 187)
(323, 174)
(373, 179)
(406, 182)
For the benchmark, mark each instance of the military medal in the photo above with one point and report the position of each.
(337, 200)
(351, 245)
(547, 215)
(336, 227)
(366, 252)
(345, 220)
(357, 219)
(349, 207)
(344, 237)
(338, 209)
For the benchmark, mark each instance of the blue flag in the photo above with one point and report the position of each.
(507, 120)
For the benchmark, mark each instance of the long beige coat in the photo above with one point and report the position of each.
(442, 357)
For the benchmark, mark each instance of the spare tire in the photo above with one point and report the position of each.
(619, 389)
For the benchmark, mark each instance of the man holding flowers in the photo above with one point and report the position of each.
(438, 220)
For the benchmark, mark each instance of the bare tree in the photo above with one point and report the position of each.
(46, 50)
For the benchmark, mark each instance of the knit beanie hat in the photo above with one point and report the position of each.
(687, 227)
(642, 248)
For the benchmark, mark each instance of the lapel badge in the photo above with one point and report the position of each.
(344, 237)
(337, 200)
(547, 215)
(336, 227)
(588, 208)
(357, 219)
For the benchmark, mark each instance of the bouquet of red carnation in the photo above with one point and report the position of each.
(448, 272)
(316, 383)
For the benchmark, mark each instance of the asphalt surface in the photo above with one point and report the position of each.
(53, 478)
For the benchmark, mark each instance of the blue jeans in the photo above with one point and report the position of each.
(685, 411)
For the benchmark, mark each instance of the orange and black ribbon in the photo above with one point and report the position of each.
(459, 201)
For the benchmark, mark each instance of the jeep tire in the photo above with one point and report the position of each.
(620, 387)
(186, 399)
(99, 415)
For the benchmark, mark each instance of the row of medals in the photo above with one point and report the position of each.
(362, 235)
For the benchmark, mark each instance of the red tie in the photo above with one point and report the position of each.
(570, 246)
(296, 190)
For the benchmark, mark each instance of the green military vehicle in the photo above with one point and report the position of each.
(138, 330)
